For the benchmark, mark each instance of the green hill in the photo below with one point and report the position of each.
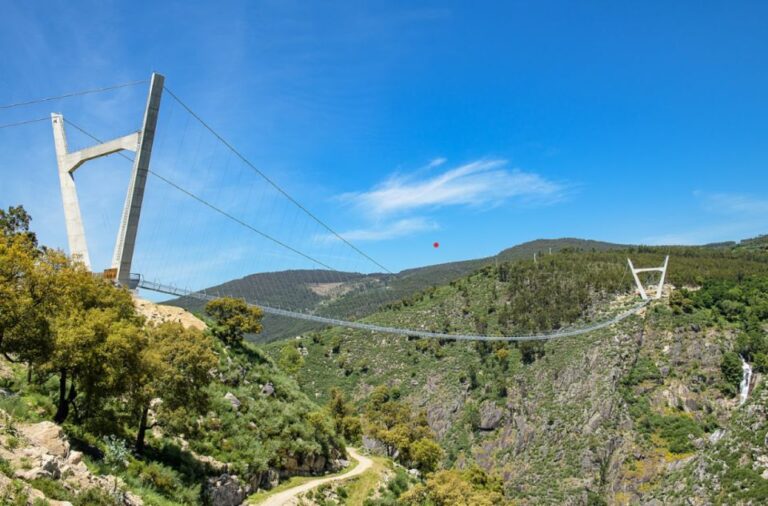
(352, 295)
(608, 415)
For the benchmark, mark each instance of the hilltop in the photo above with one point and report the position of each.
(353, 295)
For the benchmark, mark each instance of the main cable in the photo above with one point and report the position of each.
(272, 183)
(19, 123)
(72, 94)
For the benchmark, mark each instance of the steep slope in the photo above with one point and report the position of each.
(607, 415)
(259, 429)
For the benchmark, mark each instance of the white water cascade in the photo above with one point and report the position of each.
(745, 379)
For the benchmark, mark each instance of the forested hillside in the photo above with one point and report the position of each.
(352, 295)
(607, 417)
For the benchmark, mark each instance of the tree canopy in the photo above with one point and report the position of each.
(233, 318)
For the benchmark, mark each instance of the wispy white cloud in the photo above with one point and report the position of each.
(393, 230)
(733, 203)
(437, 162)
(479, 183)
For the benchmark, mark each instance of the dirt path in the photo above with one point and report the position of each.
(286, 497)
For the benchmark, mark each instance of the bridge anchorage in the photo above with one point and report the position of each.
(68, 162)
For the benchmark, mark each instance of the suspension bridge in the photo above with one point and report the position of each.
(289, 239)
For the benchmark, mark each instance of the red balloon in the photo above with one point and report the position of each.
(436, 244)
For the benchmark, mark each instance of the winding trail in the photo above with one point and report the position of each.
(284, 497)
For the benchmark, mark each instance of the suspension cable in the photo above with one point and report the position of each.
(213, 207)
(19, 123)
(72, 94)
(273, 183)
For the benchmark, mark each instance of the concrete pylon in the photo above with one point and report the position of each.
(640, 288)
(129, 223)
(139, 142)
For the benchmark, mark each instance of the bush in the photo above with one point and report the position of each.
(730, 366)
(676, 430)
(644, 369)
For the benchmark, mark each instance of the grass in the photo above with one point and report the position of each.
(294, 481)
(361, 487)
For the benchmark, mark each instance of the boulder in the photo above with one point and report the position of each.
(50, 465)
(268, 389)
(269, 479)
(225, 490)
(31, 474)
(318, 464)
(74, 458)
(49, 436)
(374, 445)
(234, 401)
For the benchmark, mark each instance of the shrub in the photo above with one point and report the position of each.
(730, 366)
(644, 369)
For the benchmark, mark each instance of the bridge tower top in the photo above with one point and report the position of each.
(640, 288)
(68, 162)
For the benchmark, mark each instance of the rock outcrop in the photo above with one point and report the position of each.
(41, 450)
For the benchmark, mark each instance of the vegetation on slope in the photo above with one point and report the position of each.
(165, 408)
(353, 295)
(603, 416)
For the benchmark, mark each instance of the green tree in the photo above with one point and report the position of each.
(290, 359)
(450, 488)
(15, 221)
(344, 419)
(173, 369)
(96, 330)
(233, 319)
(730, 366)
(426, 454)
(391, 421)
(27, 299)
(26, 290)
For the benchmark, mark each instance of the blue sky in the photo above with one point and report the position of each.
(479, 125)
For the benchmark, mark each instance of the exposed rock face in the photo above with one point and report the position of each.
(45, 453)
(226, 490)
(374, 445)
(159, 313)
(490, 415)
(49, 436)
(265, 480)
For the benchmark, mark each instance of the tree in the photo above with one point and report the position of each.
(26, 295)
(290, 359)
(426, 454)
(451, 488)
(233, 319)
(731, 368)
(391, 421)
(15, 221)
(24, 290)
(342, 412)
(173, 368)
(96, 341)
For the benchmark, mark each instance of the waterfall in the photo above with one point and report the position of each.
(745, 379)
